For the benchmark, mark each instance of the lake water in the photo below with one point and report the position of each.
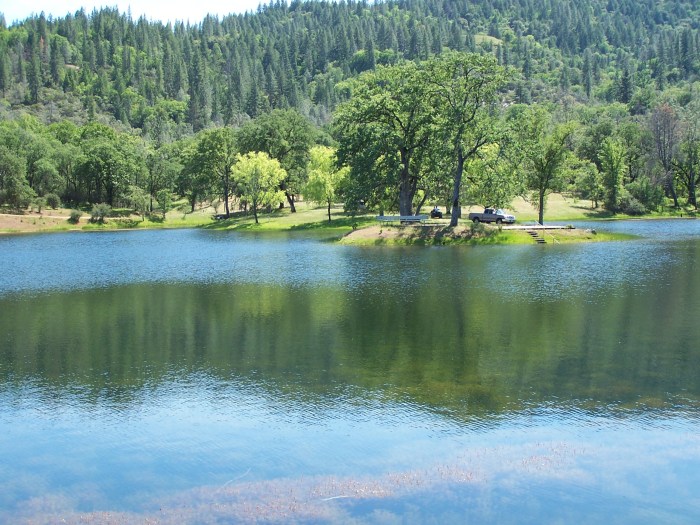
(192, 376)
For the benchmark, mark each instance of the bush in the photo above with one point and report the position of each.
(74, 217)
(99, 212)
(39, 203)
(477, 229)
(164, 199)
(52, 200)
(631, 206)
(650, 195)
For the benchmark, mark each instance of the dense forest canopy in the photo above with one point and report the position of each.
(139, 92)
(145, 74)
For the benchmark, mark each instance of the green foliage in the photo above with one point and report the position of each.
(192, 182)
(139, 200)
(52, 200)
(287, 136)
(165, 199)
(648, 194)
(612, 156)
(39, 203)
(588, 183)
(325, 178)
(74, 217)
(629, 205)
(110, 163)
(259, 177)
(382, 132)
(493, 178)
(100, 212)
(14, 188)
(462, 90)
(214, 156)
(544, 147)
(166, 80)
(93, 104)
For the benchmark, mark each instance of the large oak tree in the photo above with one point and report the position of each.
(382, 130)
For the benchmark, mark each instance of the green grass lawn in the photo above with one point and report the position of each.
(311, 219)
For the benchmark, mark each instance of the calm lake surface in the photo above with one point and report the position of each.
(192, 376)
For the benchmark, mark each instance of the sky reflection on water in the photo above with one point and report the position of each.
(186, 376)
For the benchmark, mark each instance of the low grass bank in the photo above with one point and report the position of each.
(444, 235)
(308, 219)
(311, 220)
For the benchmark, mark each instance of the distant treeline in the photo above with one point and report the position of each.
(172, 80)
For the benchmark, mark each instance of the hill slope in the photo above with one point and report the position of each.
(176, 79)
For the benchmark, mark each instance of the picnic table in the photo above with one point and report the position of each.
(402, 219)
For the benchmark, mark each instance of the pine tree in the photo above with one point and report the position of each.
(625, 87)
(199, 92)
(5, 77)
(587, 73)
(55, 63)
(371, 61)
(34, 75)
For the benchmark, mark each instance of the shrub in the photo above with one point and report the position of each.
(477, 229)
(164, 199)
(39, 203)
(99, 212)
(52, 200)
(74, 217)
(631, 206)
(650, 195)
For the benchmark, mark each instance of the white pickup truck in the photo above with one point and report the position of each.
(492, 215)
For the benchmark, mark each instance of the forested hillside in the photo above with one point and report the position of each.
(146, 74)
(145, 85)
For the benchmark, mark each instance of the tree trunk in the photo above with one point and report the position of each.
(421, 203)
(405, 195)
(226, 208)
(672, 189)
(329, 211)
(692, 197)
(456, 206)
(541, 208)
(405, 204)
(290, 200)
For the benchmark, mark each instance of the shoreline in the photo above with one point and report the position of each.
(466, 235)
(311, 220)
(366, 233)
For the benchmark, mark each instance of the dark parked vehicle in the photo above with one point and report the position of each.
(435, 213)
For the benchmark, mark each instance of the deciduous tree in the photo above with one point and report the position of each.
(462, 88)
(325, 178)
(664, 129)
(285, 135)
(612, 158)
(216, 152)
(544, 147)
(381, 130)
(259, 178)
(14, 188)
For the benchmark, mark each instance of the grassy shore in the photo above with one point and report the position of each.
(439, 235)
(313, 220)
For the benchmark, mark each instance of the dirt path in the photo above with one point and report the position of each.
(33, 222)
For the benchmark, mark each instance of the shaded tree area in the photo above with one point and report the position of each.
(383, 130)
(286, 136)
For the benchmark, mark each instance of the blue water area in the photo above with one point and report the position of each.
(190, 376)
